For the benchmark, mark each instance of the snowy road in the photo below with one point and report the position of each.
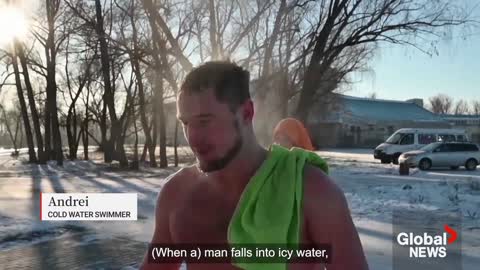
(373, 191)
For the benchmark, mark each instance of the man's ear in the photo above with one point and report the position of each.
(248, 111)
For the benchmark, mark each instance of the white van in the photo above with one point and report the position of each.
(408, 139)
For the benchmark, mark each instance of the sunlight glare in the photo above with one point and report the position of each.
(13, 24)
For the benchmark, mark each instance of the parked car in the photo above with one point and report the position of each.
(408, 139)
(439, 154)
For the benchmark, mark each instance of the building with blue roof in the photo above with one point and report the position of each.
(350, 121)
(471, 123)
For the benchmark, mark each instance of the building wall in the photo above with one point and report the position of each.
(325, 134)
(358, 134)
(364, 135)
(471, 126)
(473, 132)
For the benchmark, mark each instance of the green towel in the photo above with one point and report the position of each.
(270, 208)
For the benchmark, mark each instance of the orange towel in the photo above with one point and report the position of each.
(295, 131)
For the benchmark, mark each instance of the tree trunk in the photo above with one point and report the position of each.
(144, 153)
(57, 140)
(267, 61)
(307, 93)
(213, 30)
(162, 131)
(51, 55)
(21, 138)
(175, 143)
(48, 131)
(319, 80)
(118, 143)
(126, 117)
(115, 143)
(75, 148)
(143, 116)
(156, 19)
(135, 163)
(163, 141)
(141, 93)
(160, 51)
(23, 107)
(103, 130)
(77, 140)
(70, 138)
(73, 138)
(42, 159)
(85, 138)
(13, 137)
(85, 125)
(17, 128)
(154, 124)
(71, 125)
(52, 97)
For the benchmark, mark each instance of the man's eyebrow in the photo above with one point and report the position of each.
(198, 116)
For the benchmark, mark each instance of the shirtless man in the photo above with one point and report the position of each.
(196, 204)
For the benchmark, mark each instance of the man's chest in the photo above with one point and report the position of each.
(202, 217)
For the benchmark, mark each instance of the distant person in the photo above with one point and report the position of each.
(238, 192)
(290, 132)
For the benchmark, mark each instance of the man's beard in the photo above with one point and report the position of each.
(222, 162)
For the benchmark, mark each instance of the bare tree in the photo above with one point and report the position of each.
(298, 52)
(42, 158)
(441, 104)
(214, 37)
(345, 24)
(475, 108)
(11, 120)
(48, 33)
(113, 147)
(83, 77)
(135, 59)
(162, 65)
(461, 107)
(91, 105)
(108, 96)
(372, 95)
(23, 107)
(135, 162)
(157, 24)
(85, 123)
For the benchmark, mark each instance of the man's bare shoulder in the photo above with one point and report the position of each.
(185, 174)
(177, 183)
(328, 220)
(319, 183)
(322, 195)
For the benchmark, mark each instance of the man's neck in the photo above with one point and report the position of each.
(238, 172)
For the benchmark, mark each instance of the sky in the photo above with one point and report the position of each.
(400, 72)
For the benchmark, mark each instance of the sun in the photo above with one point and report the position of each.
(13, 24)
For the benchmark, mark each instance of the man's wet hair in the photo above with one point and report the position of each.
(229, 82)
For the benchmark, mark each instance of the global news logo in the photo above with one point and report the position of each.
(427, 245)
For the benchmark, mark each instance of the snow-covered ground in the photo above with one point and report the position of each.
(373, 191)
